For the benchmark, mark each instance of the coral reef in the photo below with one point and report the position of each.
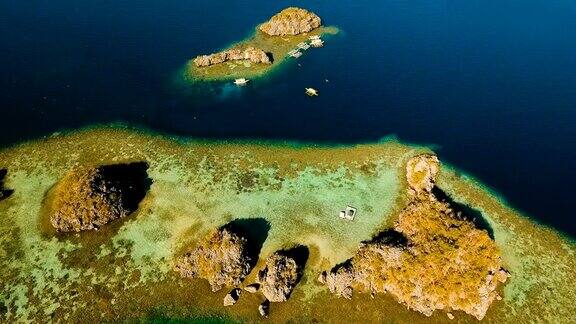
(89, 197)
(291, 21)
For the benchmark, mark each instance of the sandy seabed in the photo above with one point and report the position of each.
(123, 271)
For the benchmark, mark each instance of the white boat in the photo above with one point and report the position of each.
(241, 82)
(296, 55)
(317, 43)
(314, 37)
(303, 46)
(311, 92)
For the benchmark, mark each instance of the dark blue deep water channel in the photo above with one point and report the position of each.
(491, 82)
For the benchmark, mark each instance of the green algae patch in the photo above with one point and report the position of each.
(124, 271)
(277, 46)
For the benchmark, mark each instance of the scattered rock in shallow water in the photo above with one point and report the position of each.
(264, 308)
(291, 21)
(432, 259)
(4, 193)
(232, 297)
(282, 272)
(421, 172)
(252, 54)
(222, 258)
(89, 197)
(252, 288)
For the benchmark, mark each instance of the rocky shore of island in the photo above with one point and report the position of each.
(4, 193)
(252, 54)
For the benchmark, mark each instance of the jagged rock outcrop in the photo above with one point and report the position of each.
(251, 54)
(87, 198)
(232, 297)
(421, 172)
(282, 272)
(433, 259)
(291, 21)
(222, 258)
(4, 193)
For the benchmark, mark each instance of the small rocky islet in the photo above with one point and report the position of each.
(269, 47)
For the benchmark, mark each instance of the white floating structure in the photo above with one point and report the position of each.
(311, 92)
(349, 213)
(317, 43)
(313, 37)
(296, 54)
(303, 46)
(241, 82)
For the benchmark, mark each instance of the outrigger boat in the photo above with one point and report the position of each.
(241, 82)
(311, 92)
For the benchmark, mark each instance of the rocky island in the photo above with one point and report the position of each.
(267, 48)
(211, 233)
(89, 197)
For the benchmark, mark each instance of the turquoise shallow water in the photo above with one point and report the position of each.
(490, 82)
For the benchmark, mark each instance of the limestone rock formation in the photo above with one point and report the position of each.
(4, 193)
(282, 272)
(291, 21)
(251, 54)
(421, 172)
(87, 198)
(433, 259)
(222, 258)
(232, 297)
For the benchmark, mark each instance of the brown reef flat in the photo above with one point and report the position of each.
(127, 273)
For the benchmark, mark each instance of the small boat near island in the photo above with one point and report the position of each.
(241, 81)
(311, 92)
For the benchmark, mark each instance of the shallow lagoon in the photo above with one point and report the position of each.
(123, 271)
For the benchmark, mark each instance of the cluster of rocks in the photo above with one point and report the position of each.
(87, 198)
(4, 193)
(224, 260)
(252, 54)
(432, 259)
(291, 21)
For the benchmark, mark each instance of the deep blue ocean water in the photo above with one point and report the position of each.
(492, 83)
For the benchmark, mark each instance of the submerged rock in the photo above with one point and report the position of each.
(252, 54)
(291, 21)
(4, 193)
(264, 308)
(433, 258)
(421, 172)
(282, 272)
(232, 297)
(89, 197)
(222, 258)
